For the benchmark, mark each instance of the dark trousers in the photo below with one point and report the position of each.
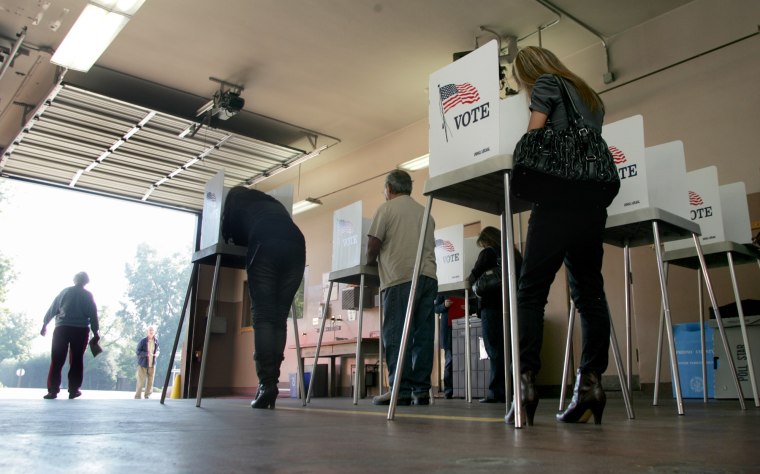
(72, 341)
(492, 324)
(448, 366)
(574, 237)
(275, 270)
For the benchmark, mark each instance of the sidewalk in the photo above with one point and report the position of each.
(10, 393)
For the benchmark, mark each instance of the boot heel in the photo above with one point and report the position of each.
(530, 410)
(598, 411)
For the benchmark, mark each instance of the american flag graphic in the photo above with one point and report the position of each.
(617, 155)
(695, 199)
(455, 94)
(444, 244)
(345, 226)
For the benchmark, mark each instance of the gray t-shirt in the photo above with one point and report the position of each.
(547, 98)
(397, 224)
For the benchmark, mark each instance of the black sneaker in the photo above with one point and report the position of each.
(385, 399)
(421, 400)
(75, 394)
(50, 396)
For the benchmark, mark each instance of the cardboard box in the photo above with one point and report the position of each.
(724, 381)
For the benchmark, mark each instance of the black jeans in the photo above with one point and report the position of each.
(275, 270)
(71, 341)
(492, 324)
(572, 236)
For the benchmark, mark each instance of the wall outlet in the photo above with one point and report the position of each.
(315, 321)
(351, 315)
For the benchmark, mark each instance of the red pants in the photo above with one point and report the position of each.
(67, 340)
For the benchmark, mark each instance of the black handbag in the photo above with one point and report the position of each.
(489, 282)
(571, 166)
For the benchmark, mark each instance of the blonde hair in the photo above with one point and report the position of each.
(532, 62)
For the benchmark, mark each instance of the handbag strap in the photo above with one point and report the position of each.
(572, 111)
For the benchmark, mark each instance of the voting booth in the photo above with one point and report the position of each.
(723, 215)
(455, 255)
(720, 211)
(469, 123)
(349, 266)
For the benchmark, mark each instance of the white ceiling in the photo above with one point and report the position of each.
(349, 71)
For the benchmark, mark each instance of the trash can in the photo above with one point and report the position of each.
(724, 381)
(689, 354)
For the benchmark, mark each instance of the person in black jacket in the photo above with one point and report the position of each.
(75, 314)
(562, 232)
(491, 312)
(147, 351)
(275, 264)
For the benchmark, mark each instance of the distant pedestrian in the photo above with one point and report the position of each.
(147, 351)
(75, 314)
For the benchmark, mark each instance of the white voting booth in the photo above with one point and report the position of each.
(213, 249)
(455, 256)
(723, 216)
(349, 265)
(651, 208)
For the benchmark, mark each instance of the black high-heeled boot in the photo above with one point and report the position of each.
(266, 396)
(588, 399)
(529, 397)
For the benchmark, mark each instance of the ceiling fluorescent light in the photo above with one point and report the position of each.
(305, 205)
(98, 24)
(416, 164)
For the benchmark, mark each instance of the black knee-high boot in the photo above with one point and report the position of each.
(268, 356)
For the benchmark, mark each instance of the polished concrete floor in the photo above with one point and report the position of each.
(93, 434)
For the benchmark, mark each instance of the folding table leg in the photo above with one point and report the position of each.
(359, 379)
(207, 338)
(568, 354)
(298, 353)
(409, 310)
(190, 285)
(660, 331)
(628, 326)
(509, 293)
(745, 339)
(702, 344)
(718, 319)
(319, 342)
(668, 322)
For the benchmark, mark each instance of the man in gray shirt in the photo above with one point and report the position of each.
(392, 244)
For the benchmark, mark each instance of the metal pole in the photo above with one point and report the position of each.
(467, 360)
(298, 352)
(509, 293)
(16, 46)
(619, 366)
(743, 324)
(207, 338)
(628, 338)
(668, 321)
(190, 285)
(319, 343)
(718, 319)
(658, 363)
(359, 360)
(409, 310)
(568, 351)
(702, 345)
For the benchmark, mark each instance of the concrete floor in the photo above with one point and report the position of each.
(93, 434)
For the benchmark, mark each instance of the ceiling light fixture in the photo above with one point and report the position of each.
(97, 26)
(305, 205)
(416, 164)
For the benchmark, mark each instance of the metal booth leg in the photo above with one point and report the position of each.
(359, 379)
(660, 330)
(628, 338)
(409, 310)
(467, 354)
(298, 352)
(509, 293)
(568, 354)
(319, 342)
(745, 339)
(190, 285)
(718, 319)
(701, 299)
(668, 321)
(209, 316)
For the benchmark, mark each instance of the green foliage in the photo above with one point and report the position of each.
(16, 334)
(156, 292)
